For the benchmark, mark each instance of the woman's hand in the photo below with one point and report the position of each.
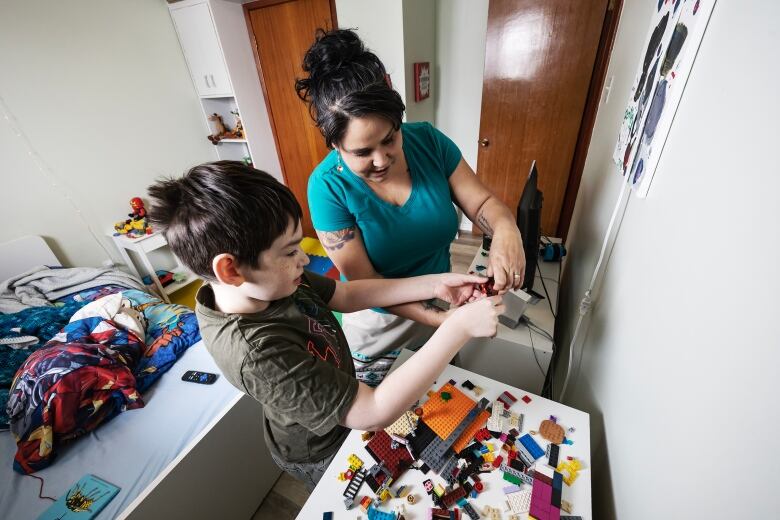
(507, 259)
(457, 289)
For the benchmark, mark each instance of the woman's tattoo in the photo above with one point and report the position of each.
(429, 305)
(333, 240)
(483, 223)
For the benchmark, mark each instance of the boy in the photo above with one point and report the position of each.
(267, 324)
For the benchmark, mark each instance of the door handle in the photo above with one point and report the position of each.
(213, 84)
(206, 80)
(484, 142)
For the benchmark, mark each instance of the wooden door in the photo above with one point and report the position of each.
(281, 33)
(539, 60)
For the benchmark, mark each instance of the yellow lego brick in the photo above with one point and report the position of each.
(312, 246)
(385, 495)
(354, 462)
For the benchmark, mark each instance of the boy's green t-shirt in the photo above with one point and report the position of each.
(294, 359)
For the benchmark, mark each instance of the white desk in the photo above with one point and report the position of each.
(519, 357)
(328, 495)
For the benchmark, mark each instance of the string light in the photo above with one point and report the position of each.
(47, 172)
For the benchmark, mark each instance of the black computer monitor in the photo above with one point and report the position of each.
(529, 222)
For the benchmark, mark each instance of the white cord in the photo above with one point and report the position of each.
(47, 173)
(587, 299)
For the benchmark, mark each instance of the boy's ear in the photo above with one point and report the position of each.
(225, 268)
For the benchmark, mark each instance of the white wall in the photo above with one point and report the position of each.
(102, 91)
(380, 25)
(461, 28)
(680, 362)
(419, 46)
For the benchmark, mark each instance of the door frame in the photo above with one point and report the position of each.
(597, 79)
(258, 4)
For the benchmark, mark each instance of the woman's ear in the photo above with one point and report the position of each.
(225, 268)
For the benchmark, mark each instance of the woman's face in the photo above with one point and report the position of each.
(371, 147)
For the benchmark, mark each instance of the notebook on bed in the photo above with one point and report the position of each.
(84, 500)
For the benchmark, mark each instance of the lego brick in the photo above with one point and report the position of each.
(552, 456)
(470, 431)
(557, 488)
(519, 501)
(526, 399)
(470, 511)
(552, 431)
(354, 486)
(404, 425)
(395, 460)
(530, 444)
(376, 514)
(444, 416)
(327, 516)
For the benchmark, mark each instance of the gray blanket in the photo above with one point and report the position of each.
(41, 286)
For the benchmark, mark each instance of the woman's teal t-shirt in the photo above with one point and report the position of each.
(401, 241)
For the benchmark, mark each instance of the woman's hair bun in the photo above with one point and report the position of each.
(345, 80)
(338, 57)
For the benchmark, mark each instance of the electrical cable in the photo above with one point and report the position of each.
(533, 349)
(40, 490)
(544, 286)
(47, 173)
(586, 301)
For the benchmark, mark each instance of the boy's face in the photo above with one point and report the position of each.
(281, 267)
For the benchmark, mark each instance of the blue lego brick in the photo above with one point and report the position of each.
(327, 516)
(376, 514)
(533, 448)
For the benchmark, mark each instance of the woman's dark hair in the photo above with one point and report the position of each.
(221, 207)
(345, 81)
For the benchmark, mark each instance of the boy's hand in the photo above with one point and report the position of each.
(457, 289)
(479, 319)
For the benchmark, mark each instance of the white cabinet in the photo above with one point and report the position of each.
(198, 38)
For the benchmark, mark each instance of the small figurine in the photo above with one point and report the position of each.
(137, 225)
(139, 211)
(218, 129)
(239, 130)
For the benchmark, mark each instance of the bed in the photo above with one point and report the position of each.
(192, 451)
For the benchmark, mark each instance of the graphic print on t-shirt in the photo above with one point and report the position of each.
(323, 341)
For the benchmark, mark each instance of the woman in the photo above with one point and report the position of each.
(382, 200)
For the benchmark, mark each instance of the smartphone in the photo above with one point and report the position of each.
(204, 378)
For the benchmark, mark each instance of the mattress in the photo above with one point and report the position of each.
(131, 450)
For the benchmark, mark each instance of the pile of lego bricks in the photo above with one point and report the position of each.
(455, 437)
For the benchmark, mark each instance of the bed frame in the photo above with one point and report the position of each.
(225, 472)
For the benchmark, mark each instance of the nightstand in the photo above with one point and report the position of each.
(140, 248)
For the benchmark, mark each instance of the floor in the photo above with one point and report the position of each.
(288, 495)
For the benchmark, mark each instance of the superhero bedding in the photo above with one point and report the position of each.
(98, 350)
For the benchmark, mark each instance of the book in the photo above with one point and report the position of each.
(83, 500)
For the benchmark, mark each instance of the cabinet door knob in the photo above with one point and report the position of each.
(484, 142)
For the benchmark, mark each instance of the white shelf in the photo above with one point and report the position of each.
(232, 141)
(175, 286)
(219, 96)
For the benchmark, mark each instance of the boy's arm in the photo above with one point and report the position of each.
(377, 408)
(357, 295)
(346, 249)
